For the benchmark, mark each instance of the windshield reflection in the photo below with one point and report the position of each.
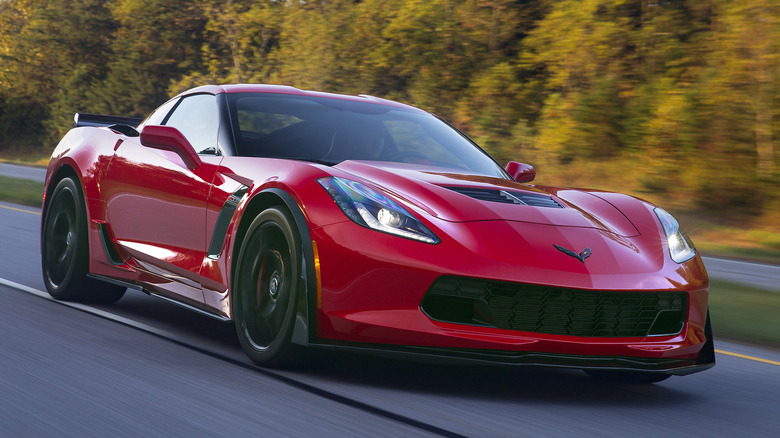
(331, 130)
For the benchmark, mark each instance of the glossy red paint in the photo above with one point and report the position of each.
(170, 139)
(367, 279)
(520, 172)
(160, 204)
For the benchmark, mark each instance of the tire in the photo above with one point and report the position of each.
(633, 377)
(65, 250)
(266, 289)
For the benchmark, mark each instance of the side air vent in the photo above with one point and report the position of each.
(108, 247)
(508, 197)
(223, 221)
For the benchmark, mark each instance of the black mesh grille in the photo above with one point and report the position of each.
(508, 197)
(556, 311)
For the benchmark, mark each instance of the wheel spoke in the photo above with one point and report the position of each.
(265, 289)
(61, 235)
(270, 304)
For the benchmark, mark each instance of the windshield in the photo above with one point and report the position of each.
(330, 131)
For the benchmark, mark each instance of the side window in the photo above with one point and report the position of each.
(196, 117)
(157, 117)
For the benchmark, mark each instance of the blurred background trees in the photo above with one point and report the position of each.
(672, 98)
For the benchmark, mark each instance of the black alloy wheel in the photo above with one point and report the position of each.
(65, 250)
(266, 288)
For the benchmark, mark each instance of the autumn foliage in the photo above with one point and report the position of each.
(671, 97)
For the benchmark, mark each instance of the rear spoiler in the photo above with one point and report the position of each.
(81, 119)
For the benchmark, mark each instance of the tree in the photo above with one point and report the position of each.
(156, 43)
(745, 67)
(238, 41)
(583, 52)
(52, 51)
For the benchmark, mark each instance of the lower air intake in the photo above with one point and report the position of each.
(556, 311)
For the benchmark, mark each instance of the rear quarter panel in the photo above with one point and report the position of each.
(84, 153)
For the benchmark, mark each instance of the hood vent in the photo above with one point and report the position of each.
(508, 197)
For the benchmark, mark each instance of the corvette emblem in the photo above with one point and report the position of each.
(581, 256)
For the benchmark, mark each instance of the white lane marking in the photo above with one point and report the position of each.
(91, 310)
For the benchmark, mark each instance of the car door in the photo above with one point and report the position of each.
(156, 205)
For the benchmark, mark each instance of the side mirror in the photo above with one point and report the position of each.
(169, 138)
(520, 172)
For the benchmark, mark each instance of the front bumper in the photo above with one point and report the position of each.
(372, 286)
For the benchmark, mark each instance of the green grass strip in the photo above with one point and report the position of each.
(745, 313)
(21, 191)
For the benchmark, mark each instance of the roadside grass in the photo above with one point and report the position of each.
(745, 313)
(26, 156)
(756, 240)
(728, 232)
(752, 238)
(750, 254)
(21, 191)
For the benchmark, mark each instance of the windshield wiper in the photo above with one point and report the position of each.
(311, 160)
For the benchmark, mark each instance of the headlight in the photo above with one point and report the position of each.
(371, 209)
(680, 246)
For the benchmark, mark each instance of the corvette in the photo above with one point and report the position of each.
(315, 220)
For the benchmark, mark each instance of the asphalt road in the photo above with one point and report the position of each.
(143, 367)
(761, 275)
(23, 172)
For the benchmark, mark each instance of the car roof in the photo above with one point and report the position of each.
(286, 89)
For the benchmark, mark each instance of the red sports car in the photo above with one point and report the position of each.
(357, 223)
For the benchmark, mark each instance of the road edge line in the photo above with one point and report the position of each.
(87, 309)
(20, 209)
(326, 394)
(745, 356)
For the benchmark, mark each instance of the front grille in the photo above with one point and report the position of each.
(556, 311)
(508, 197)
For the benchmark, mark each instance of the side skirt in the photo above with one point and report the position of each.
(156, 295)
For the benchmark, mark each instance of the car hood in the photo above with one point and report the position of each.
(457, 197)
